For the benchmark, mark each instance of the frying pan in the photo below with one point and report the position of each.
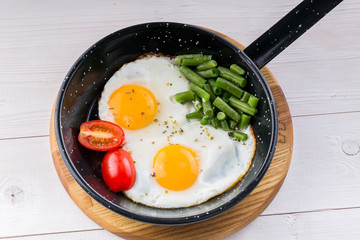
(81, 89)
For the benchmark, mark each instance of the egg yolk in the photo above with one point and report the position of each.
(132, 106)
(176, 167)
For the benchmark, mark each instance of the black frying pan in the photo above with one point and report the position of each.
(80, 91)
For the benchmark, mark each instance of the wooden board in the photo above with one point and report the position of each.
(219, 227)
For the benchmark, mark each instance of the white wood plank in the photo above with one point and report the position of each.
(39, 45)
(40, 40)
(331, 224)
(32, 199)
(325, 167)
(86, 234)
(321, 176)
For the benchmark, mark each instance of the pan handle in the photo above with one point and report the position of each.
(288, 29)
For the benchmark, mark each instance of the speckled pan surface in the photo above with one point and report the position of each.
(77, 103)
(78, 96)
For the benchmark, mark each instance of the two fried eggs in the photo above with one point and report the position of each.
(179, 163)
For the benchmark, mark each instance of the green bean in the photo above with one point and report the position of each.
(221, 116)
(195, 60)
(229, 75)
(207, 65)
(183, 97)
(224, 125)
(244, 122)
(229, 86)
(194, 115)
(192, 76)
(197, 102)
(217, 91)
(179, 58)
(209, 73)
(204, 120)
(229, 111)
(220, 102)
(244, 107)
(245, 97)
(239, 135)
(207, 88)
(200, 92)
(226, 96)
(237, 69)
(232, 124)
(215, 122)
(207, 109)
(253, 101)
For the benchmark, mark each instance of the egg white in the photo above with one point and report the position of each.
(222, 161)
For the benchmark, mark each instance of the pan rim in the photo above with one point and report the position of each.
(150, 219)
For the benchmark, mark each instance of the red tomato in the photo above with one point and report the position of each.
(118, 170)
(101, 135)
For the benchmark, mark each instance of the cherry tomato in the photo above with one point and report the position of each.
(101, 135)
(118, 170)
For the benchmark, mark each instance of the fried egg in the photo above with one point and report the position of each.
(179, 163)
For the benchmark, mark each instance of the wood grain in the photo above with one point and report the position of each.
(215, 228)
(316, 72)
(32, 200)
(40, 40)
(309, 187)
(309, 226)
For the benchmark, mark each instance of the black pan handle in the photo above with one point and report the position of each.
(288, 29)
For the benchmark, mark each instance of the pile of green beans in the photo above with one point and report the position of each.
(217, 94)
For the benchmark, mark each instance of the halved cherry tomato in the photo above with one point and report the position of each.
(118, 170)
(101, 135)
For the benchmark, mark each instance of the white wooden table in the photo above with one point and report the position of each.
(40, 40)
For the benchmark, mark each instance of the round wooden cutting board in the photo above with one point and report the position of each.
(219, 227)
